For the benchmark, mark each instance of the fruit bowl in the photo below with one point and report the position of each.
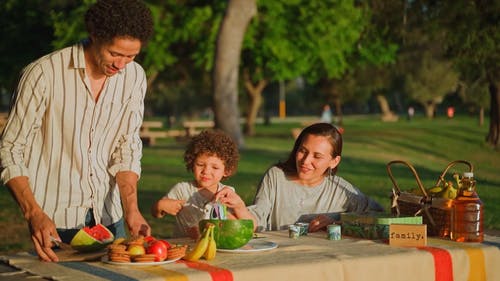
(230, 234)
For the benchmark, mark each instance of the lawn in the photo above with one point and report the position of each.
(369, 144)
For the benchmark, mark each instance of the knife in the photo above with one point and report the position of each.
(61, 244)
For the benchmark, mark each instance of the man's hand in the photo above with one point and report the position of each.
(137, 225)
(41, 227)
(43, 230)
(127, 183)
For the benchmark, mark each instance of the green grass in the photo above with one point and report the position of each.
(369, 144)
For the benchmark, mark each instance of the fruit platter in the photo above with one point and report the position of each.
(143, 251)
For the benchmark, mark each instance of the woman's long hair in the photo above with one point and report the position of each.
(318, 129)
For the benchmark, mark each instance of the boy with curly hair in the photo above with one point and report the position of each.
(212, 156)
(70, 152)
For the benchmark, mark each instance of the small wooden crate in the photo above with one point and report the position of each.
(435, 212)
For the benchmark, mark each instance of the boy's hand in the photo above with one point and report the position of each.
(229, 198)
(167, 206)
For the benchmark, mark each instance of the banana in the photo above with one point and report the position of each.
(199, 249)
(450, 192)
(458, 180)
(212, 246)
(435, 190)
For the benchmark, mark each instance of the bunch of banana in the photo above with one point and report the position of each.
(435, 191)
(447, 191)
(458, 180)
(205, 247)
(212, 246)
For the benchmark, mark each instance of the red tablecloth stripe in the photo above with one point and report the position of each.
(216, 273)
(443, 267)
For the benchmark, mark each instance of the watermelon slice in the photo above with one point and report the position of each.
(91, 239)
(230, 234)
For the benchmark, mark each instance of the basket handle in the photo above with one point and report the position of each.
(396, 188)
(451, 164)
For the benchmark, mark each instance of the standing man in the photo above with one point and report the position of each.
(70, 152)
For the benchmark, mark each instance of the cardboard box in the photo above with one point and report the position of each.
(372, 225)
(378, 218)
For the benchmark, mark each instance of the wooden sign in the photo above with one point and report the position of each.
(408, 235)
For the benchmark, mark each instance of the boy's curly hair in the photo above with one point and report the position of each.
(107, 19)
(214, 143)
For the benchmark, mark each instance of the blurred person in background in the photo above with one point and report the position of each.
(326, 115)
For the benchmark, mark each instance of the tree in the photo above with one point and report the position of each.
(289, 39)
(26, 35)
(430, 80)
(226, 69)
(472, 36)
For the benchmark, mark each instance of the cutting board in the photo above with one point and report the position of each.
(72, 255)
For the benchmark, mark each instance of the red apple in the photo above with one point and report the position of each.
(159, 249)
(166, 244)
(149, 239)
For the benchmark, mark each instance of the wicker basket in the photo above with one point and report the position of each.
(435, 212)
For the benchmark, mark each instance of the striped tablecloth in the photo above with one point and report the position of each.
(311, 258)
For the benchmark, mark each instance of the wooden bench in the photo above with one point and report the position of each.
(149, 137)
(194, 127)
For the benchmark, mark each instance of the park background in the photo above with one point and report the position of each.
(261, 69)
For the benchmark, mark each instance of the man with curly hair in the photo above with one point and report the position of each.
(70, 152)
(212, 156)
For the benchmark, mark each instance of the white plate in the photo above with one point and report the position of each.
(105, 259)
(254, 245)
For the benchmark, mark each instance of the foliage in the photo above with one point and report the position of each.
(430, 80)
(26, 34)
(293, 38)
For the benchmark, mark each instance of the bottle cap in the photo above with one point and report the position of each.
(468, 175)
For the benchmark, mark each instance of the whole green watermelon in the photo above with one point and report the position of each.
(230, 234)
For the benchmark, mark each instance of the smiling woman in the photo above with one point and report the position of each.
(305, 188)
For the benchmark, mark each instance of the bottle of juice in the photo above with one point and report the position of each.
(467, 212)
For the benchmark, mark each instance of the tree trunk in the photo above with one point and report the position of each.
(387, 114)
(254, 93)
(337, 103)
(429, 109)
(227, 61)
(494, 131)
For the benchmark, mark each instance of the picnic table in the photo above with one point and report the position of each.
(311, 257)
(152, 130)
(193, 127)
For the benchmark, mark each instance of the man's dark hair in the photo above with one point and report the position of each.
(107, 19)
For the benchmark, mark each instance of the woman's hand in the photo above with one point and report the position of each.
(320, 222)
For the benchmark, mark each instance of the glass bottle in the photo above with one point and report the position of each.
(467, 212)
